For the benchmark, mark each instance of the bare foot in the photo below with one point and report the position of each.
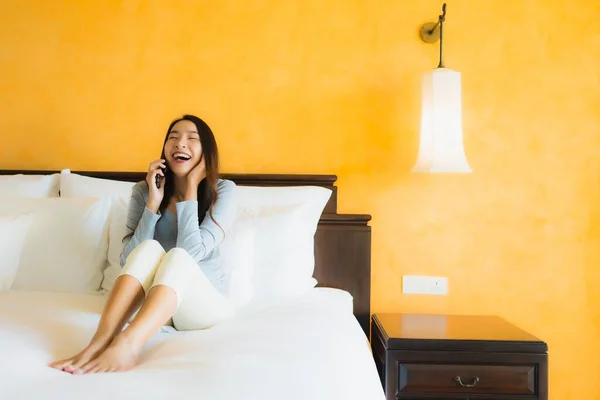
(92, 350)
(121, 355)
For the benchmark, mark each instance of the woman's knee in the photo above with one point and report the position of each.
(147, 250)
(179, 256)
(178, 252)
(176, 266)
(143, 261)
(151, 245)
(174, 271)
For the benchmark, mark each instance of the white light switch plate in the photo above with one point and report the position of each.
(434, 285)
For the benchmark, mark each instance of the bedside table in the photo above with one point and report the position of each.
(438, 357)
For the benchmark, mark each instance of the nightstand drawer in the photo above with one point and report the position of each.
(417, 378)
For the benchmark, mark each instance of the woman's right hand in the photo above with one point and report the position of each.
(156, 194)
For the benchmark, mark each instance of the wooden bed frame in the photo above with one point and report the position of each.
(342, 241)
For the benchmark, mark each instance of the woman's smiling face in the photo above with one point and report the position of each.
(183, 150)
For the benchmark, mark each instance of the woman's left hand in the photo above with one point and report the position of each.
(196, 175)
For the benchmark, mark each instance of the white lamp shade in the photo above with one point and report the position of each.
(441, 143)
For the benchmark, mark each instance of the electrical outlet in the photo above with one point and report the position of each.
(432, 285)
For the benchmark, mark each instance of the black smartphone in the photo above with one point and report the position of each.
(158, 178)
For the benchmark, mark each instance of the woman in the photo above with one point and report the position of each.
(171, 262)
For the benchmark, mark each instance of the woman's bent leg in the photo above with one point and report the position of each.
(180, 290)
(200, 304)
(124, 299)
(124, 350)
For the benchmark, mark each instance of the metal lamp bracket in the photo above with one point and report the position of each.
(430, 33)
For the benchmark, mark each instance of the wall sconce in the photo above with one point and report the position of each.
(441, 143)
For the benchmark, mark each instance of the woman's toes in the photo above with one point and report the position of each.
(93, 370)
(59, 364)
(88, 366)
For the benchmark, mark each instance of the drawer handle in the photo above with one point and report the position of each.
(475, 380)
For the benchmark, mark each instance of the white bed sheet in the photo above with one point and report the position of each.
(310, 348)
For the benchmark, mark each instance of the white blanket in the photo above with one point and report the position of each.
(310, 348)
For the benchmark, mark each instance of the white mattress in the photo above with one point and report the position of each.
(310, 348)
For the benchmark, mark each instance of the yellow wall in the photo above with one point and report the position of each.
(314, 86)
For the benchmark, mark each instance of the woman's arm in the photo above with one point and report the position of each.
(141, 222)
(199, 240)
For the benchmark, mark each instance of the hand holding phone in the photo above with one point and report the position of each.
(155, 182)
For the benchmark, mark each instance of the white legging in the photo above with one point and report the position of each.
(199, 304)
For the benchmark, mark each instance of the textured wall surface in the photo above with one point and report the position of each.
(333, 86)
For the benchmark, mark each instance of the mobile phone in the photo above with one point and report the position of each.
(158, 179)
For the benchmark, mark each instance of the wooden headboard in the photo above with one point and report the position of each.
(342, 241)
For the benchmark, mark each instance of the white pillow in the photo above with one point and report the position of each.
(285, 220)
(238, 255)
(257, 198)
(20, 185)
(75, 185)
(116, 232)
(13, 231)
(66, 248)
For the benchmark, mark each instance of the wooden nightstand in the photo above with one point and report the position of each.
(458, 357)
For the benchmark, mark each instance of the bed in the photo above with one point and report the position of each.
(313, 345)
